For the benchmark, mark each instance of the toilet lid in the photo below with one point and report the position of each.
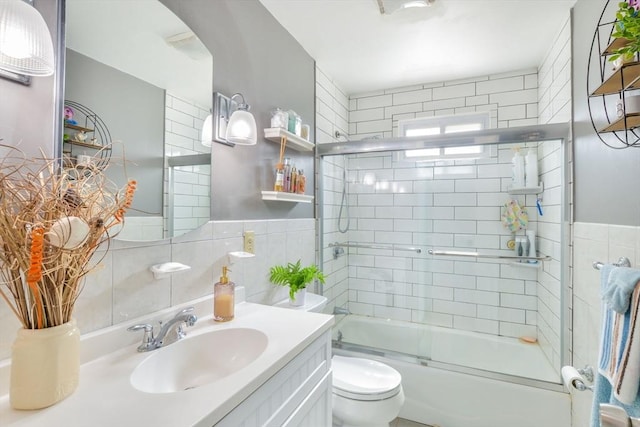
(364, 379)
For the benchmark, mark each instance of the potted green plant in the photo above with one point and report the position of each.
(297, 278)
(627, 27)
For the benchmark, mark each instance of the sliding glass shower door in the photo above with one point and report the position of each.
(416, 241)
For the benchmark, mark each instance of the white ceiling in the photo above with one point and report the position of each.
(131, 37)
(362, 50)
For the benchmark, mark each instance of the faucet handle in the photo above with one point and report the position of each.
(148, 341)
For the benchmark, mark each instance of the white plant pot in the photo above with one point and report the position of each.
(299, 297)
(45, 366)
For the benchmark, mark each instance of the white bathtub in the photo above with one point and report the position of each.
(446, 398)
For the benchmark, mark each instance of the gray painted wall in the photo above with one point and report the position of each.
(254, 55)
(27, 113)
(133, 111)
(245, 41)
(605, 179)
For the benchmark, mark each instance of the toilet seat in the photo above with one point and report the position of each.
(364, 379)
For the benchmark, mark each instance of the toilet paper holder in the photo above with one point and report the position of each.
(575, 378)
(587, 373)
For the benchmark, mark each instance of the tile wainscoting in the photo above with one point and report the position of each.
(122, 287)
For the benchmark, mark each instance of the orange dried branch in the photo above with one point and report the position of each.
(35, 270)
(128, 199)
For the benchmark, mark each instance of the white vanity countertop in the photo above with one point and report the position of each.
(105, 396)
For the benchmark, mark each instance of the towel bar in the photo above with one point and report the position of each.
(622, 262)
(477, 255)
(370, 246)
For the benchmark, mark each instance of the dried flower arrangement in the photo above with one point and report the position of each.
(51, 223)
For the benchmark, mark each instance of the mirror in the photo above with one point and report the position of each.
(148, 79)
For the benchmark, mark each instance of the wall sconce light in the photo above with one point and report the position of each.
(232, 122)
(207, 129)
(26, 48)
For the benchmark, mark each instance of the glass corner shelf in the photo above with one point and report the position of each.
(526, 190)
(525, 264)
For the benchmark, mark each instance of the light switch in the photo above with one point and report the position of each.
(250, 242)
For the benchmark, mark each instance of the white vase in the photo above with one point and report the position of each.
(45, 366)
(298, 298)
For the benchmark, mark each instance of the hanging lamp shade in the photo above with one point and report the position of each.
(241, 129)
(25, 43)
(207, 131)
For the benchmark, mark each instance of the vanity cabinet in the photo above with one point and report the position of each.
(297, 395)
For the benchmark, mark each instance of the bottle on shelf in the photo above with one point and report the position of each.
(517, 170)
(287, 175)
(531, 167)
(279, 119)
(301, 182)
(279, 184)
(531, 236)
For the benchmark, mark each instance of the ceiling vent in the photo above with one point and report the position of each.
(387, 7)
(189, 44)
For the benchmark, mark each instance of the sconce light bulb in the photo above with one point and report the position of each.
(241, 128)
(207, 131)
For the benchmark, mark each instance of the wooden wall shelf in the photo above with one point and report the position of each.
(625, 78)
(293, 141)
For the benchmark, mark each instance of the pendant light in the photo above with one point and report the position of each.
(25, 42)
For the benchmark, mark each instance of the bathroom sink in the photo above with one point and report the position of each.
(198, 360)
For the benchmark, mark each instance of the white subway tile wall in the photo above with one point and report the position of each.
(594, 242)
(332, 109)
(332, 114)
(554, 80)
(142, 227)
(510, 98)
(453, 205)
(191, 185)
(483, 295)
(554, 106)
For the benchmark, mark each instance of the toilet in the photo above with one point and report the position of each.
(366, 393)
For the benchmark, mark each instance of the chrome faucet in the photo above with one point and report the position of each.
(170, 332)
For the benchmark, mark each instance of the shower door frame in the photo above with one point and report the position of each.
(537, 133)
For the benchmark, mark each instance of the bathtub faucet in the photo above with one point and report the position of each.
(341, 310)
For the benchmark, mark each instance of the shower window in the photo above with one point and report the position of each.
(446, 153)
(429, 126)
(438, 125)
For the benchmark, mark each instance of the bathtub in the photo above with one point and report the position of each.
(457, 378)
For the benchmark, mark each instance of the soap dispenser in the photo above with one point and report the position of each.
(223, 298)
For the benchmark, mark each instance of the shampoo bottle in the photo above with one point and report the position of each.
(301, 182)
(531, 235)
(223, 298)
(517, 174)
(531, 176)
